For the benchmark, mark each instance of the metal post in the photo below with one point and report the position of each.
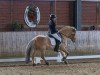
(51, 7)
(77, 14)
(97, 13)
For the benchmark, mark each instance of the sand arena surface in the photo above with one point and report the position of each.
(61, 69)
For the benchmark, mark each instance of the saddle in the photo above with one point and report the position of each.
(55, 42)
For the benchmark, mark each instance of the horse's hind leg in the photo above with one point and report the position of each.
(33, 58)
(42, 56)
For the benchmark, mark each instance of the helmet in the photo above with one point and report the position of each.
(52, 16)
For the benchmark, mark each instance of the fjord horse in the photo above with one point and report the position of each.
(42, 43)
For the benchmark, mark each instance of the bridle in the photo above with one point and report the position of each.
(63, 34)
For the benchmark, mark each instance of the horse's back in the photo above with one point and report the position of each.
(40, 41)
(40, 37)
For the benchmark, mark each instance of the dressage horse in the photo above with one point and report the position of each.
(42, 43)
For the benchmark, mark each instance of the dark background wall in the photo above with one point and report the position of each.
(90, 14)
(13, 10)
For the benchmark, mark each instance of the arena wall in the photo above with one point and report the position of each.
(13, 10)
(13, 44)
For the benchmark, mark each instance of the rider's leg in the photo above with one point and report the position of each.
(57, 39)
(56, 36)
(57, 45)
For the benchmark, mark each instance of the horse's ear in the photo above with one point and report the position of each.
(74, 29)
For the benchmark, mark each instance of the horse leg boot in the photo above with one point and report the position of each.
(64, 57)
(42, 56)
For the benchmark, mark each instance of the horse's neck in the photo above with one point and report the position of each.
(63, 39)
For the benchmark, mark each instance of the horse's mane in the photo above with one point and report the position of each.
(67, 27)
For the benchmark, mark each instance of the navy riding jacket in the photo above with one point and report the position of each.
(52, 27)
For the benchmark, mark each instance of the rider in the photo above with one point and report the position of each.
(53, 32)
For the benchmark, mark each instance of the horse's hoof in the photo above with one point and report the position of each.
(47, 63)
(64, 59)
(27, 62)
(34, 64)
(66, 62)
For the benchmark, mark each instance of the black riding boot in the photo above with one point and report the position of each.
(56, 49)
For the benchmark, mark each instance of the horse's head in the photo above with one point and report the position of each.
(72, 35)
(68, 32)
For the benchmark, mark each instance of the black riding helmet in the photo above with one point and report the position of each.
(52, 16)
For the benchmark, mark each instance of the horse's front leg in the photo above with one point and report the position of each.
(64, 57)
(64, 52)
(42, 56)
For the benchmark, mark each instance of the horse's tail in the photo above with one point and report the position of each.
(28, 51)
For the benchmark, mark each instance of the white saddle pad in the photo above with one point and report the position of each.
(52, 40)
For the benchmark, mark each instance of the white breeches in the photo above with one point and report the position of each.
(56, 36)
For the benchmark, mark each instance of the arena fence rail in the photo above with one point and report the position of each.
(13, 44)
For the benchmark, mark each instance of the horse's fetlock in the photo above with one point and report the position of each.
(34, 64)
(47, 63)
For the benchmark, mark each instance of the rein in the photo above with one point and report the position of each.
(63, 34)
